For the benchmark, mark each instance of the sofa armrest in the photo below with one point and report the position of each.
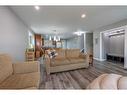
(82, 55)
(26, 67)
(47, 63)
(85, 56)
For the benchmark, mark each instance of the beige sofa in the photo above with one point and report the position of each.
(67, 59)
(109, 81)
(24, 75)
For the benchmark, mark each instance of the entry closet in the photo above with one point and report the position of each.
(114, 45)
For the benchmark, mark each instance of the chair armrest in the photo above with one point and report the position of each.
(47, 63)
(26, 67)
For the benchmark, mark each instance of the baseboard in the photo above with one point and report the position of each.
(125, 68)
(99, 59)
(102, 59)
(96, 59)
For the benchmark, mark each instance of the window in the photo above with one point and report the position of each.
(31, 40)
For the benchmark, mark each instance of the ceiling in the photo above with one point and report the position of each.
(67, 19)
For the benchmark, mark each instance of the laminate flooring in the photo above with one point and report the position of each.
(80, 78)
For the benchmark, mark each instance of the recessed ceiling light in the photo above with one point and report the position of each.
(83, 16)
(37, 7)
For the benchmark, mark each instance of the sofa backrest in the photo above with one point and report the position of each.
(72, 53)
(61, 54)
(5, 67)
(67, 53)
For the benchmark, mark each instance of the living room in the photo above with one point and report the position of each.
(57, 51)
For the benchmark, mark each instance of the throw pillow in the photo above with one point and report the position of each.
(52, 53)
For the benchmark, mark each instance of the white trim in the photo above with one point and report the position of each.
(85, 43)
(99, 59)
(125, 50)
(125, 68)
(113, 29)
(100, 45)
(96, 59)
(102, 59)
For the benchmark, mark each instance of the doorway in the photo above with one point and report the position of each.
(112, 45)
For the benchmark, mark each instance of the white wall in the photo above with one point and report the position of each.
(64, 44)
(13, 35)
(116, 45)
(105, 45)
(75, 42)
(89, 42)
(71, 43)
(96, 46)
(85, 41)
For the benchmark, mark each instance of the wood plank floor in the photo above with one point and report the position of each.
(79, 79)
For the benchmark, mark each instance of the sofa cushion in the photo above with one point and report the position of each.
(5, 67)
(122, 83)
(96, 83)
(59, 62)
(20, 81)
(76, 60)
(109, 81)
(72, 53)
(61, 54)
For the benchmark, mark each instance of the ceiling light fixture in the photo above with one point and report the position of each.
(83, 16)
(79, 33)
(56, 37)
(37, 7)
(50, 38)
